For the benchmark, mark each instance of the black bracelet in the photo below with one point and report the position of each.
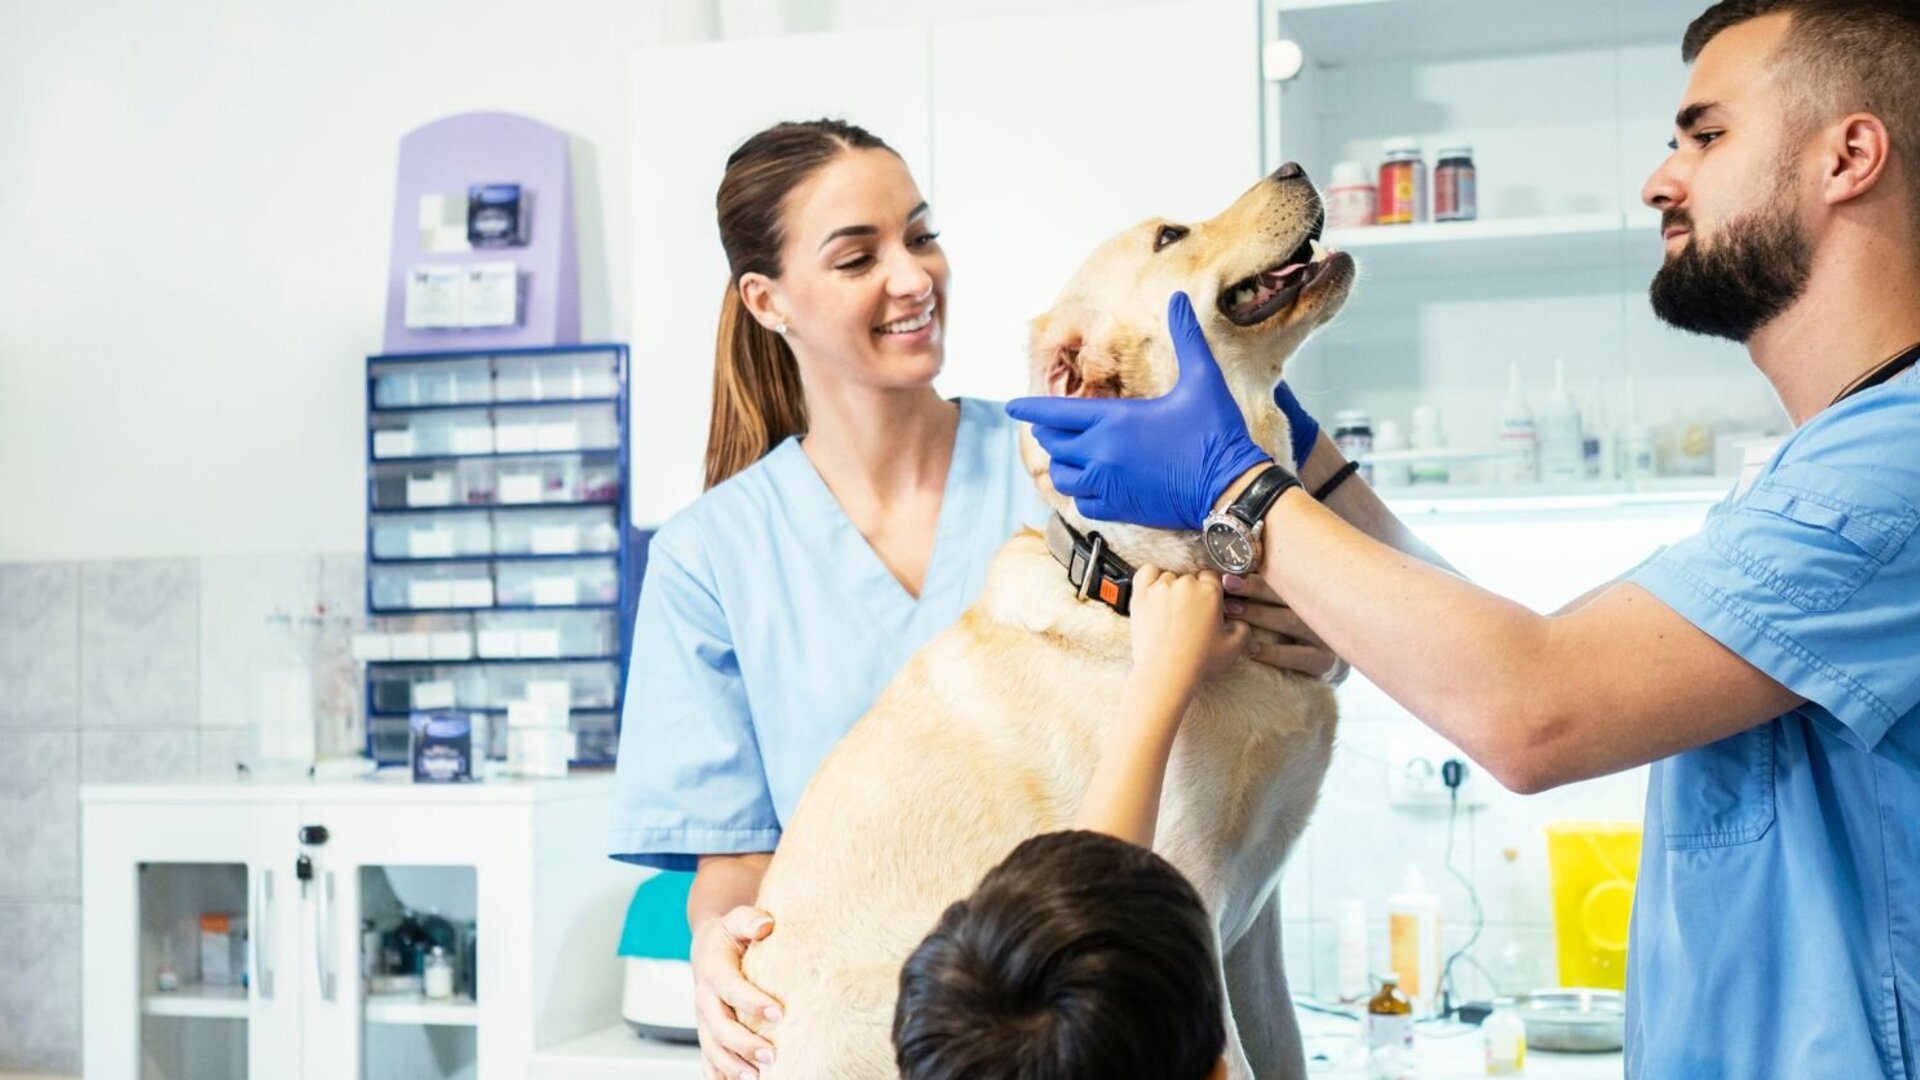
(1336, 480)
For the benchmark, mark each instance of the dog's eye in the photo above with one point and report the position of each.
(1168, 234)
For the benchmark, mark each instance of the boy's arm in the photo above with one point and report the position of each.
(1123, 798)
(1179, 638)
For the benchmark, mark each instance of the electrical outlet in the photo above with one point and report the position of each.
(1413, 776)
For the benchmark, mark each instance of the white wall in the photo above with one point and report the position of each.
(195, 200)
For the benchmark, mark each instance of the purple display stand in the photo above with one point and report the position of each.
(490, 148)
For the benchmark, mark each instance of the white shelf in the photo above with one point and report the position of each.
(198, 1000)
(419, 1009)
(1510, 246)
(1363, 31)
(1592, 495)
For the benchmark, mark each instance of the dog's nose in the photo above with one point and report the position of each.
(1290, 171)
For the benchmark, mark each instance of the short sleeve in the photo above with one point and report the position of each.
(690, 780)
(1812, 579)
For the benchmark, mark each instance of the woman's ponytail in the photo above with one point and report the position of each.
(757, 397)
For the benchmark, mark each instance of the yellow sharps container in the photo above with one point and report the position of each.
(1593, 865)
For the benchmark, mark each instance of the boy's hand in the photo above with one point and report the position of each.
(1180, 636)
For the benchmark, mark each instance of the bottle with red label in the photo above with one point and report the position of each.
(1403, 184)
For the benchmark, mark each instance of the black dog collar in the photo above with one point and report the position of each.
(1094, 571)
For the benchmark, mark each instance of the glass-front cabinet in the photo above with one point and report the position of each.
(330, 931)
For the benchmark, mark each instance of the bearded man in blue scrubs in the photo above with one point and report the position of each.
(1768, 667)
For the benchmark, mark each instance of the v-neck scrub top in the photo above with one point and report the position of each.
(767, 625)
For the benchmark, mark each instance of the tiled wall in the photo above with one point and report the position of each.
(114, 671)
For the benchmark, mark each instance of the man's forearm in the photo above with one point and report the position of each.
(1480, 683)
(1360, 506)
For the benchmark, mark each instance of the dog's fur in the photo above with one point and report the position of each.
(991, 732)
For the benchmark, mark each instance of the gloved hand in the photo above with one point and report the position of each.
(1160, 462)
(1302, 430)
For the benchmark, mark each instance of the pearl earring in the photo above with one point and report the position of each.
(780, 328)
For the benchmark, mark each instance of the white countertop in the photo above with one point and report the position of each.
(616, 1053)
(385, 786)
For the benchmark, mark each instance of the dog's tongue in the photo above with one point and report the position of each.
(1273, 278)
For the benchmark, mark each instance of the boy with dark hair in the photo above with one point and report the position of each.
(1084, 954)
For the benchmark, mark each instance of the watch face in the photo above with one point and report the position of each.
(1230, 548)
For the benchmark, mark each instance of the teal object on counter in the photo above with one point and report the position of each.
(657, 919)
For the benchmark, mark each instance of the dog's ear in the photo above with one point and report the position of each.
(1075, 357)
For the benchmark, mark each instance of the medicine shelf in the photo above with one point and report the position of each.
(494, 455)
(485, 406)
(470, 376)
(457, 508)
(1369, 31)
(198, 1000)
(439, 560)
(472, 660)
(460, 1011)
(582, 710)
(454, 355)
(605, 605)
(1455, 249)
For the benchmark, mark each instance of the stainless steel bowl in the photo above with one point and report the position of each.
(1575, 1020)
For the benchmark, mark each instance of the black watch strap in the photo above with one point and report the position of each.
(1259, 496)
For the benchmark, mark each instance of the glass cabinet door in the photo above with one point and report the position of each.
(416, 962)
(197, 961)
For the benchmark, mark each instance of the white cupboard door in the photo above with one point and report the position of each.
(692, 107)
(472, 861)
(1051, 134)
(150, 871)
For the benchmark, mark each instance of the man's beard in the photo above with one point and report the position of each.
(1756, 268)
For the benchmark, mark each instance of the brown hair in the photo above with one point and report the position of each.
(1080, 955)
(757, 397)
(1840, 56)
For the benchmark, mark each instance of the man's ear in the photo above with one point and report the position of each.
(1857, 154)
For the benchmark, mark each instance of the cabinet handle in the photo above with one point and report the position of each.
(262, 920)
(322, 926)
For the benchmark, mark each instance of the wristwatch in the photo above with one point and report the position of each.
(1232, 534)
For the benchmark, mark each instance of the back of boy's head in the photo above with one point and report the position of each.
(1079, 956)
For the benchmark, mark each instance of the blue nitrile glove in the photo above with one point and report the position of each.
(1160, 462)
(1302, 430)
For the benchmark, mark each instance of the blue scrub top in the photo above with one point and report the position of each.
(1776, 925)
(767, 626)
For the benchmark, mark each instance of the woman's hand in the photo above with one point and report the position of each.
(722, 995)
(1252, 601)
(1179, 636)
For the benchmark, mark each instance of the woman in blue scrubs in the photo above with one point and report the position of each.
(850, 515)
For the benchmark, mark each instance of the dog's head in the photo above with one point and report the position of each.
(1260, 283)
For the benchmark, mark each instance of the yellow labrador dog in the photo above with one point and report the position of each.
(989, 735)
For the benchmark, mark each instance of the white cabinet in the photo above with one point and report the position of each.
(1034, 138)
(519, 868)
(1568, 108)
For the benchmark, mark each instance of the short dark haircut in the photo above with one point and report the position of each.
(1839, 57)
(1079, 956)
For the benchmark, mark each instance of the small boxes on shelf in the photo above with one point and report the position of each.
(497, 543)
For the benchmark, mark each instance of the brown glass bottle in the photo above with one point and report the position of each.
(1389, 1026)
